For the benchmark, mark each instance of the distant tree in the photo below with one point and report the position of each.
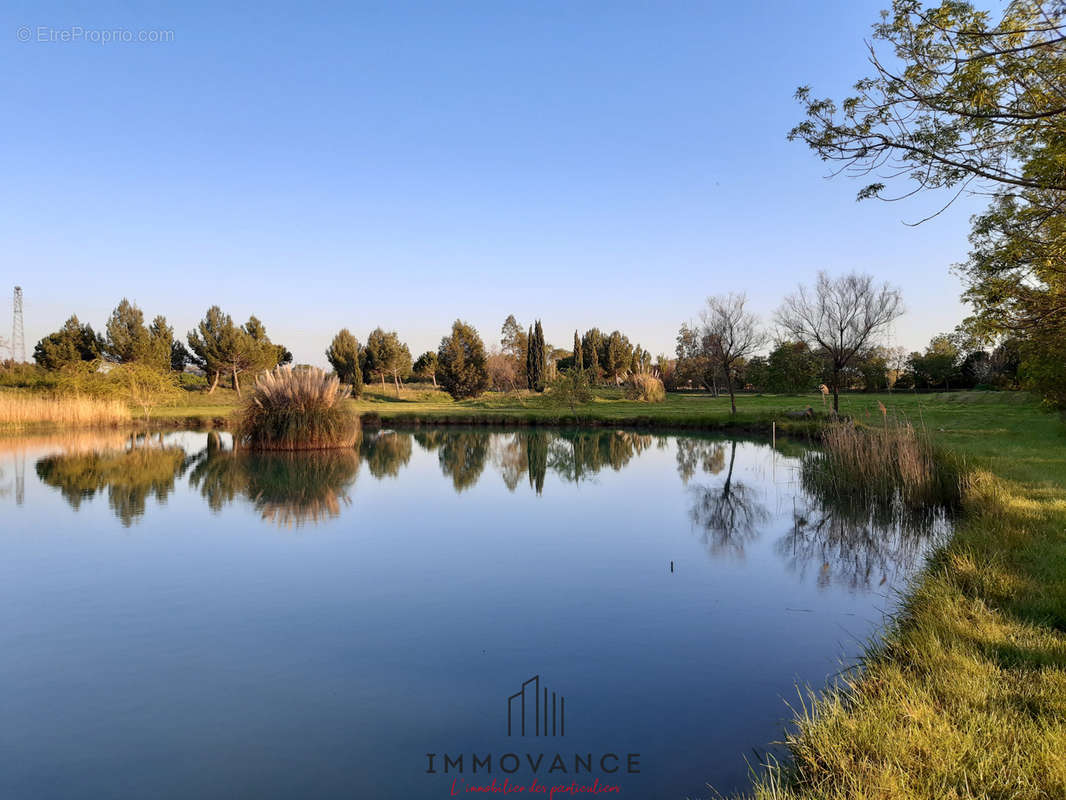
(267, 355)
(73, 342)
(160, 344)
(841, 316)
(731, 335)
(344, 355)
(976, 369)
(591, 345)
(514, 344)
(386, 355)
(873, 366)
(461, 360)
(939, 364)
(502, 373)
(579, 353)
(208, 343)
(179, 356)
(426, 367)
(792, 368)
(127, 336)
(757, 373)
(617, 356)
(536, 363)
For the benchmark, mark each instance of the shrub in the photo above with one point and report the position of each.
(571, 388)
(297, 410)
(645, 388)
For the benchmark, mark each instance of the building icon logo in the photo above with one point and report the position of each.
(531, 712)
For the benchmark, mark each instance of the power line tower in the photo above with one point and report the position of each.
(18, 335)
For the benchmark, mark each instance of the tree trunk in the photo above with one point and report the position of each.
(732, 397)
(836, 391)
(236, 383)
(383, 382)
(214, 383)
(396, 381)
(434, 380)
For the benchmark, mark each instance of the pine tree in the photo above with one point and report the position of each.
(531, 346)
(540, 363)
(579, 361)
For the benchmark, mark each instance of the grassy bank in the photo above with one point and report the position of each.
(966, 695)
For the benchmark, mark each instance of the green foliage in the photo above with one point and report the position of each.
(426, 366)
(461, 362)
(591, 347)
(221, 347)
(385, 355)
(73, 342)
(792, 368)
(571, 389)
(536, 359)
(344, 355)
(145, 386)
(297, 409)
(579, 354)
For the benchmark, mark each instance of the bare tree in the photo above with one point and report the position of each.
(840, 316)
(729, 335)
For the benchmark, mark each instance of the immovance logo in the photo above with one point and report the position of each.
(548, 718)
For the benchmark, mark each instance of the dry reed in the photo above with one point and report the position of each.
(19, 410)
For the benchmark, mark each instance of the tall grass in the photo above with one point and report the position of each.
(297, 410)
(883, 466)
(19, 410)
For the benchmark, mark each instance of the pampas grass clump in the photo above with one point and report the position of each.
(645, 388)
(297, 410)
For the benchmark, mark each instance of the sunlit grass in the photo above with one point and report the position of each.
(20, 410)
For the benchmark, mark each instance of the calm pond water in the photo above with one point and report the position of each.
(180, 621)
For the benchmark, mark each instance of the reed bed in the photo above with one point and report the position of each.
(301, 409)
(19, 410)
(889, 465)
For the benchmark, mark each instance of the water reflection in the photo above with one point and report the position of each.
(288, 489)
(143, 469)
(736, 492)
(727, 513)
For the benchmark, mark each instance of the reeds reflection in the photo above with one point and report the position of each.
(286, 488)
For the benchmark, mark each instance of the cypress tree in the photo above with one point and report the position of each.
(579, 361)
(540, 362)
(531, 369)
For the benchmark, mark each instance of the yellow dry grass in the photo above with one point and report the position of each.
(20, 410)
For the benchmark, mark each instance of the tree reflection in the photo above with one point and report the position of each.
(386, 453)
(131, 475)
(462, 456)
(856, 545)
(287, 488)
(693, 453)
(727, 514)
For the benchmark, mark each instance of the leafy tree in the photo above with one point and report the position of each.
(591, 346)
(461, 362)
(939, 364)
(514, 344)
(344, 355)
(426, 367)
(791, 368)
(71, 343)
(617, 356)
(972, 102)
(386, 355)
(209, 342)
(127, 337)
(731, 335)
(579, 353)
(160, 350)
(266, 355)
(179, 356)
(842, 317)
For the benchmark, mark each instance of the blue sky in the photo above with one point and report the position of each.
(403, 164)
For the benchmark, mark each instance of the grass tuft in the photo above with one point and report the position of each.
(297, 410)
